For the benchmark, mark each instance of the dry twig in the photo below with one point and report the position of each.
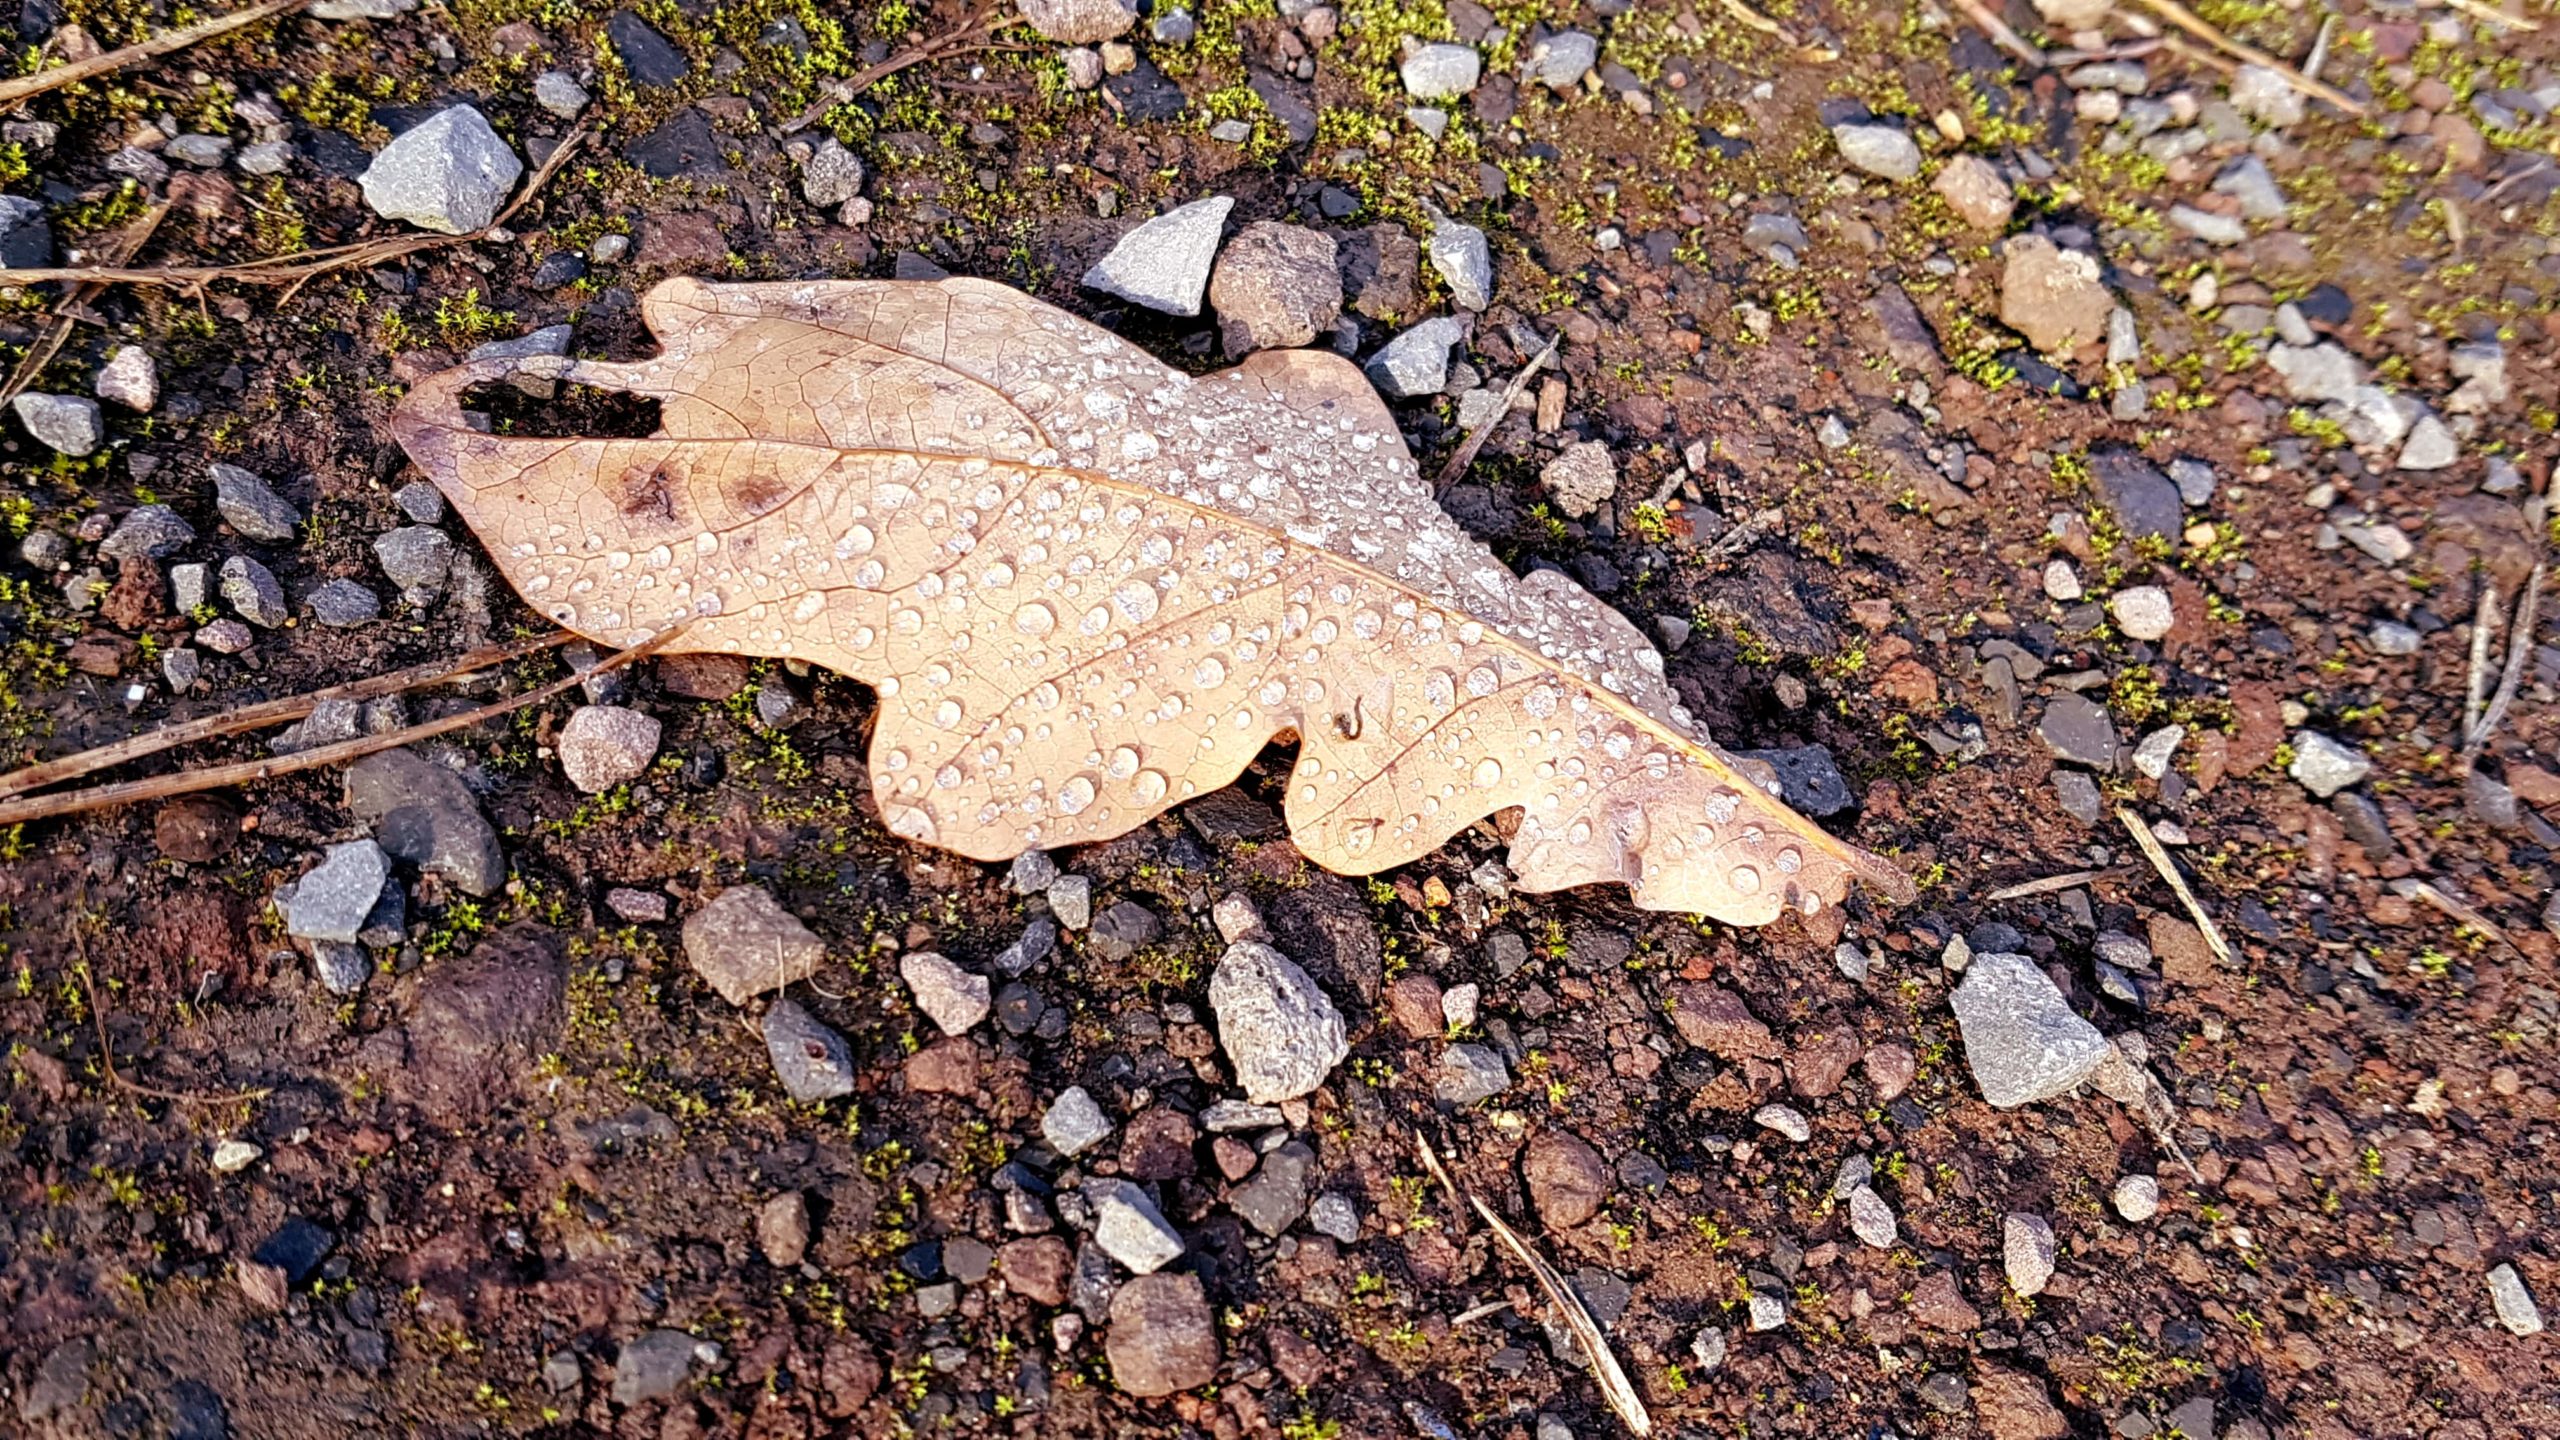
(1466, 454)
(2159, 859)
(189, 782)
(269, 712)
(1614, 1386)
(2070, 880)
(121, 246)
(2185, 19)
(2000, 33)
(2482, 720)
(970, 37)
(2493, 15)
(14, 93)
(2412, 888)
(303, 266)
(107, 1048)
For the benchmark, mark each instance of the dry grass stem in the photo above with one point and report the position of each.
(2159, 858)
(19, 91)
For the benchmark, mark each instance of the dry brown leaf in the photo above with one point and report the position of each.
(1088, 587)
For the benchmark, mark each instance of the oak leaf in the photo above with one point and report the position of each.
(1088, 587)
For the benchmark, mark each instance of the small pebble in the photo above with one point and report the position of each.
(2137, 1198)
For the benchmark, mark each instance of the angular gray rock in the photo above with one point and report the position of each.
(250, 505)
(831, 175)
(252, 589)
(333, 898)
(2513, 1302)
(951, 997)
(1276, 285)
(26, 236)
(1809, 776)
(1561, 60)
(1464, 259)
(1440, 71)
(147, 532)
(1884, 151)
(2078, 729)
(2247, 180)
(449, 174)
(423, 814)
(744, 943)
(560, 93)
(1416, 362)
(2143, 501)
(343, 603)
(1276, 1195)
(130, 378)
(811, 1059)
(1129, 1227)
(1164, 263)
(2430, 446)
(1469, 1073)
(2325, 766)
(416, 558)
(2316, 372)
(69, 424)
(1279, 1029)
(2021, 1040)
(1074, 1123)
(602, 746)
(652, 1366)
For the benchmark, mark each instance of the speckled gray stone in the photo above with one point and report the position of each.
(449, 174)
(2021, 1039)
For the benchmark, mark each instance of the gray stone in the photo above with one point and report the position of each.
(420, 501)
(1276, 285)
(70, 424)
(951, 997)
(330, 722)
(1129, 1227)
(1787, 1120)
(2390, 637)
(1809, 776)
(226, 637)
(1871, 1219)
(1173, 27)
(652, 1367)
(252, 589)
(1225, 1117)
(44, 550)
(1164, 263)
(1070, 898)
(1583, 478)
(362, 9)
(251, 506)
(205, 152)
(341, 968)
(1561, 60)
(422, 813)
(181, 667)
(1037, 942)
(130, 378)
(2142, 612)
(2246, 180)
(1769, 236)
(2481, 366)
(1279, 1029)
(343, 604)
(26, 236)
(2513, 1302)
(2027, 1249)
(744, 943)
(811, 1059)
(449, 174)
(648, 57)
(1441, 71)
(2430, 446)
(2151, 758)
(267, 157)
(602, 746)
(1464, 259)
(2021, 1040)
(1074, 1123)
(2195, 481)
(2325, 766)
(2137, 1198)
(332, 900)
(1032, 872)
(416, 558)
(1884, 151)
(1469, 1073)
(2265, 96)
(535, 381)
(1768, 1310)
(60, 1382)
(2207, 226)
(2316, 372)
(831, 175)
(1080, 22)
(1416, 362)
(1125, 929)
(2142, 500)
(559, 93)
(1276, 1195)
(2078, 729)
(1333, 1214)
(147, 532)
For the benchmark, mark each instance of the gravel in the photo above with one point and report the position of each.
(332, 900)
(2142, 612)
(1074, 1123)
(1129, 1227)
(343, 604)
(422, 502)
(2248, 181)
(2390, 637)
(2325, 766)
(951, 997)
(602, 746)
(252, 589)
(1469, 1073)
(1871, 1219)
(449, 174)
(1464, 259)
(2137, 1198)
(2151, 758)
(1441, 71)
(1278, 1027)
(130, 378)
(1416, 362)
(2027, 1250)
(249, 505)
(1032, 872)
(416, 558)
(423, 814)
(813, 1061)
(70, 424)
(2513, 1302)
(1164, 263)
(2021, 1039)
(559, 92)
(1884, 151)
(744, 943)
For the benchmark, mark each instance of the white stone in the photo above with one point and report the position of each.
(130, 378)
(1871, 1219)
(2137, 1198)
(1074, 1123)
(233, 1156)
(951, 997)
(1129, 1227)
(1278, 1027)
(1164, 263)
(602, 746)
(2061, 582)
(2142, 612)
(448, 174)
(2325, 766)
(2513, 1302)
(2027, 1250)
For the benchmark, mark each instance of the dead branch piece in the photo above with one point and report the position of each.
(1745, 535)
(1466, 455)
(970, 37)
(2187, 20)
(2519, 649)
(107, 1048)
(189, 782)
(2070, 880)
(2492, 14)
(1614, 1386)
(14, 93)
(2319, 57)
(269, 712)
(2413, 888)
(2159, 859)
(2000, 33)
(303, 266)
(119, 247)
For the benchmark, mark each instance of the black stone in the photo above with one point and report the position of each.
(558, 270)
(297, 1247)
(646, 55)
(1288, 101)
(1144, 94)
(2143, 501)
(2326, 305)
(1810, 776)
(911, 266)
(683, 146)
(2042, 378)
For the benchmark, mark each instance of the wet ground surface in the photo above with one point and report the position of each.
(2183, 405)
